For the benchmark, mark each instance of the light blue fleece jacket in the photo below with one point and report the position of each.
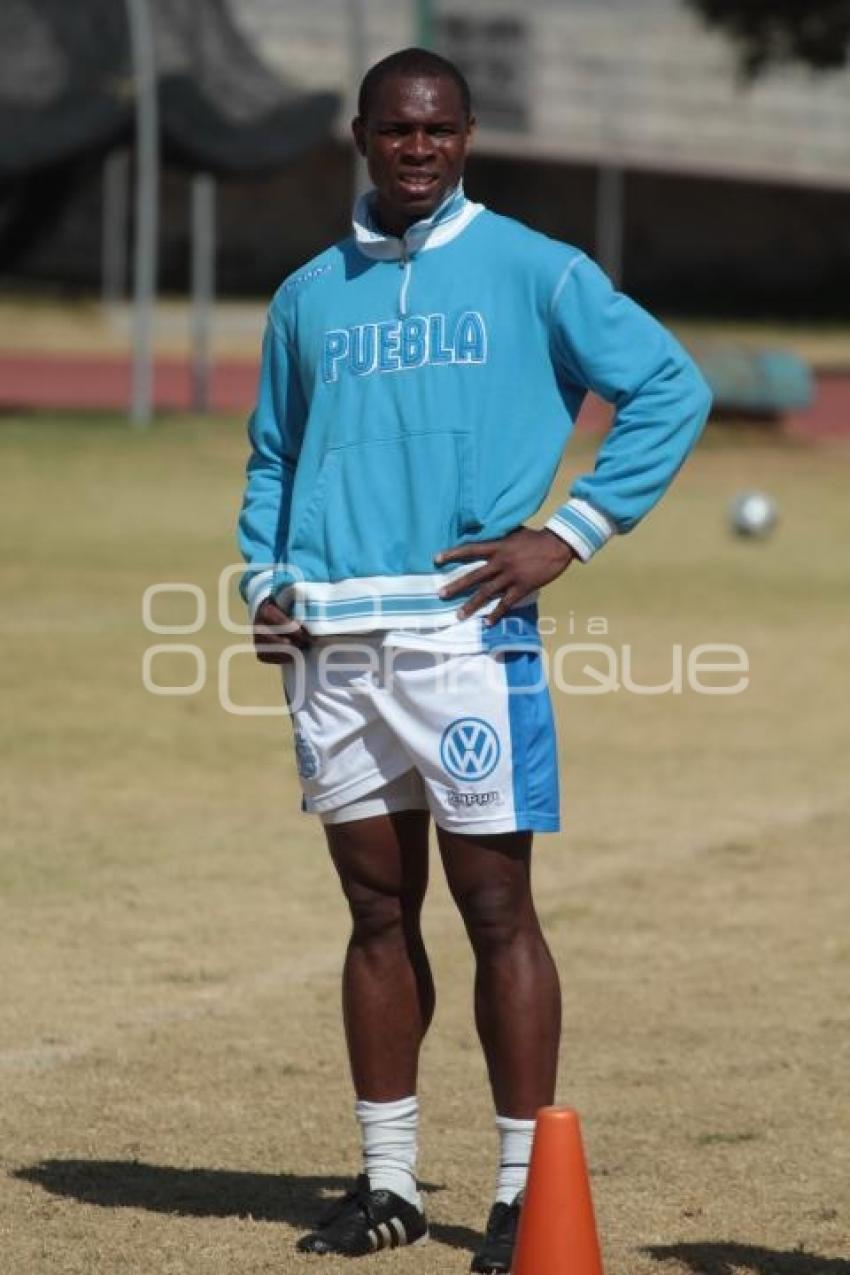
(418, 393)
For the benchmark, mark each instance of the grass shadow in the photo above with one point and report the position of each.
(296, 1199)
(714, 1258)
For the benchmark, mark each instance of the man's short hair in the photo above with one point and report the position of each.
(411, 62)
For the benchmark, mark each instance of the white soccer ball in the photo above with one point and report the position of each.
(753, 513)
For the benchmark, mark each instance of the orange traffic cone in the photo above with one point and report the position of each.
(557, 1229)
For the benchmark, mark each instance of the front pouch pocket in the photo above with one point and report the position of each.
(386, 506)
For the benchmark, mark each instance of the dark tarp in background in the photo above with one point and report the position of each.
(66, 99)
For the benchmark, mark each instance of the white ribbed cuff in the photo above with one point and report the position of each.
(258, 588)
(582, 526)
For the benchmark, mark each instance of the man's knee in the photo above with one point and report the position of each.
(495, 915)
(376, 919)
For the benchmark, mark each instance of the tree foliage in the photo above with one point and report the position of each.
(814, 32)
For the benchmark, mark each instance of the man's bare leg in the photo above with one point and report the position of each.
(517, 992)
(387, 988)
(388, 1003)
(517, 1009)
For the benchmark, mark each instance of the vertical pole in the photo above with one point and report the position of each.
(610, 205)
(113, 262)
(425, 23)
(358, 56)
(203, 287)
(147, 203)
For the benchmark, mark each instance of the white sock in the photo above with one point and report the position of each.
(390, 1142)
(515, 1153)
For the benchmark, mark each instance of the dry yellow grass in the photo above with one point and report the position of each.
(175, 1096)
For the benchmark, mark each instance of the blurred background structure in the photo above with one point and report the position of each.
(626, 126)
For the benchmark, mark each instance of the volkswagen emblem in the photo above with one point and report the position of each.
(469, 749)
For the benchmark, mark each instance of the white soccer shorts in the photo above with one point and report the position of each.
(469, 737)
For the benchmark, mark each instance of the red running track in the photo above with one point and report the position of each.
(85, 382)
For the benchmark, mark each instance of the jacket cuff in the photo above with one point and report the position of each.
(583, 527)
(257, 588)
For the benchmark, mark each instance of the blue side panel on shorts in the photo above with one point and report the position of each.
(517, 631)
(533, 743)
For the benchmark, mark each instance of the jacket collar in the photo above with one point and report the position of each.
(446, 222)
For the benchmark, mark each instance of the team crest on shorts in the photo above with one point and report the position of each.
(306, 757)
(469, 749)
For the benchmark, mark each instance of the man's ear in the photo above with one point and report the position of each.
(358, 129)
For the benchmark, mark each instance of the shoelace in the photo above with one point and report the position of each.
(358, 1197)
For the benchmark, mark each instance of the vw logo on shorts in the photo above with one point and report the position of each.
(469, 749)
(306, 757)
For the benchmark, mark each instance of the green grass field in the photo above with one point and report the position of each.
(174, 1088)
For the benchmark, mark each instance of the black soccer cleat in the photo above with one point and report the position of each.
(365, 1221)
(495, 1255)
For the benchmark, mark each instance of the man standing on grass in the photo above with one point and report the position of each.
(419, 382)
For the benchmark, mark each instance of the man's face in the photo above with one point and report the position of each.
(415, 139)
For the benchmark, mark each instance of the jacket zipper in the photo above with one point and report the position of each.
(405, 267)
